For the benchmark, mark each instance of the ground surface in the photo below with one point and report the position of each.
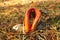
(48, 26)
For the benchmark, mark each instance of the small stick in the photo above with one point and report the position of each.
(23, 31)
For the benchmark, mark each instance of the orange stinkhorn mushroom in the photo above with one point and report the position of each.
(27, 25)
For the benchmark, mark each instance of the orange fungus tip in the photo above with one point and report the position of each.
(27, 25)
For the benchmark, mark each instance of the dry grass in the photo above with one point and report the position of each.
(48, 26)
